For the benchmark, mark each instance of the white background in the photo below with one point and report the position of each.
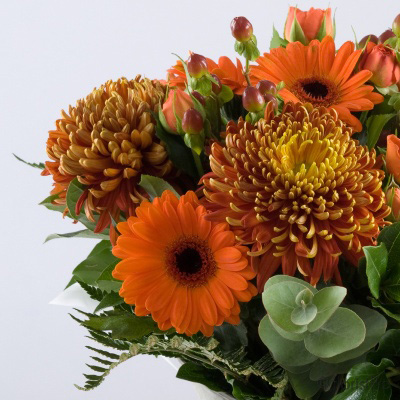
(52, 53)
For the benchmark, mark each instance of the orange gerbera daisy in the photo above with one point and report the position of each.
(316, 74)
(299, 189)
(187, 272)
(230, 74)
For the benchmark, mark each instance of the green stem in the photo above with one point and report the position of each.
(197, 161)
(246, 72)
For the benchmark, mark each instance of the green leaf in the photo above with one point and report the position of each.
(303, 386)
(195, 142)
(280, 300)
(377, 259)
(327, 300)
(107, 282)
(178, 152)
(343, 331)
(375, 325)
(89, 270)
(155, 186)
(240, 391)
(85, 233)
(285, 352)
(303, 315)
(251, 51)
(110, 300)
(390, 235)
(231, 337)
(34, 165)
(276, 40)
(209, 377)
(390, 309)
(367, 382)
(225, 95)
(122, 325)
(48, 203)
(375, 124)
(286, 278)
(389, 347)
(296, 32)
(74, 192)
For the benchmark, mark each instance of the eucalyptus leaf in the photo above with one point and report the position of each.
(303, 386)
(280, 300)
(285, 352)
(377, 259)
(343, 331)
(303, 315)
(287, 278)
(375, 324)
(327, 301)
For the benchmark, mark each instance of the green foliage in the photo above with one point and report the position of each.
(367, 381)
(311, 336)
(276, 40)
(85, 233)
(178, 152)
(74, 192)
(377, 258)
(209, 377)
(89, 270)
(225, 95)
(296, 32)
(155, 186)
(375, 124)
(248, 49)
(34, 165)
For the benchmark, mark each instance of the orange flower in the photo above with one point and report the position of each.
(382, 62)
(297, 188)
(175, 106)
(229, 74)
(185, 271)
(107, 141)
(310, 22)
(316, 74)
(393, 156)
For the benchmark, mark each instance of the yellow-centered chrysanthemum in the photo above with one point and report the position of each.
(107, 141)
(299, 190)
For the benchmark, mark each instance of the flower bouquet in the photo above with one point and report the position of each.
(246, 215)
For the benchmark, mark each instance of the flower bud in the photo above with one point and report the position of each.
(393, 199)
(199, 97)
(382, 62)
(216, 88)
(396, 26)
(253, 100)
(385, 36)
(175, 106)
(241, 29)
(192, 122)
(363, 41)
(393, 156)
(268, 97)
(266, 87)
(197, 65)
(311, 25)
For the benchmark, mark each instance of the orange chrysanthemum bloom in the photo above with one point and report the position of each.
(187, 272)
(107, 141)
(316, 74)
(299, 189)
(230, 74)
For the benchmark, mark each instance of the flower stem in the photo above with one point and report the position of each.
(246, 72)
(197, 161)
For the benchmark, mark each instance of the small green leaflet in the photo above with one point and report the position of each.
(85, 233)
(34, 165)
(155, 186)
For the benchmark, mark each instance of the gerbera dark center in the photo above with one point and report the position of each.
(189, 261)
(316, 89)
